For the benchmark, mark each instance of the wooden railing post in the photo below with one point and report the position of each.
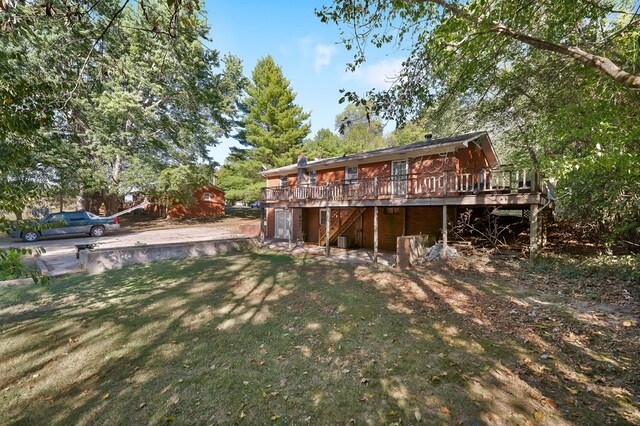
(444, 183)
(375, 187)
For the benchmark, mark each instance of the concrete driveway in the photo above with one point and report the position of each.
(60, 255)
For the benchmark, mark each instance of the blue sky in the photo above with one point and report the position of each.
(306, 49)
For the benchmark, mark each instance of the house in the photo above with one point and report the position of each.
(372, 199)
(209, 202)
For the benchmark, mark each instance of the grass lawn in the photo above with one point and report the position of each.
(263, 338)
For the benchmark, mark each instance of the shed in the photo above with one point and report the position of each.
(209, 203)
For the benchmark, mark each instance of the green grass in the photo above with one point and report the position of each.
(263, 338)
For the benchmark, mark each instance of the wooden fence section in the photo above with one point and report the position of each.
(424, 185)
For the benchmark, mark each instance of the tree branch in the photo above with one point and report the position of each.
(93, 47)
(600, 63)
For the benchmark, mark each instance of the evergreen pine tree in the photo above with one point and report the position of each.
(272, 131)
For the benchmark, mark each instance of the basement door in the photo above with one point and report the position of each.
(283, 218)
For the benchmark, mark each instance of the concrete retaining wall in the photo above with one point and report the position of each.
(411, 247)
(99, 260)
(19, 281)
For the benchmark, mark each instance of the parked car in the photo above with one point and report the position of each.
(65, 223)
(256, 204)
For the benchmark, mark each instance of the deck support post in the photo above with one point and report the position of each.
(444, 231)
(263, 230)
(290, 229)
(534, 231)
(375, 234)
(328, 232)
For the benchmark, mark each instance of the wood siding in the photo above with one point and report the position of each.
(330, 175)
(471, 158)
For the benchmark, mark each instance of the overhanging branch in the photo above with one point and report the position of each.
(598, 62)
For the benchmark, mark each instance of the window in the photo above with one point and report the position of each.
(58, 217)
(312, 177)
(323, 217)
(207, 196)
(76, 216)
(350, 174)
(283, 181)
(392, 210)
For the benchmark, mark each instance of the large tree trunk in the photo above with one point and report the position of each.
(111, 203)
(95, 202)
(81, 201)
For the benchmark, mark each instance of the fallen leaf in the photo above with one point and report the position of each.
(538, 415)
(364, 381)
(418, 416)
(141, 406)
(106, 395)
(445, 409)
(548, 402)
(274, 418)
(571, 390)
(242, 414)
(627, 323)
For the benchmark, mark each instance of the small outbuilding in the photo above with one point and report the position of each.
(209, 202)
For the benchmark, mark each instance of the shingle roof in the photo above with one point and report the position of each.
(458, 139)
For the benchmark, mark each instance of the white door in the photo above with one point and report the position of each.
(282, 223)
(399, 172)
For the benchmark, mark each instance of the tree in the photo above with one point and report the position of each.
(179, 183)
(142, 103)
(325, 144)
(272, 130)
(362, 130)
(409, 133)
(240, 177)
(274, 126)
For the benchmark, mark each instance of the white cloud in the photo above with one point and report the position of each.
(305, 45)
(379, 75)
(323, 55)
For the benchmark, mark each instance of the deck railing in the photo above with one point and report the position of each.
(420, 185)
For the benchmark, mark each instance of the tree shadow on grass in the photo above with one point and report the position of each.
(563, 375)
(258, 336)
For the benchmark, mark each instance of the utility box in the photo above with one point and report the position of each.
(343, 241)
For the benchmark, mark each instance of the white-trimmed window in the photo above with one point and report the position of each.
(313, 175)
(283, 181)
(207, 196)
(350, 174)
(323, 217)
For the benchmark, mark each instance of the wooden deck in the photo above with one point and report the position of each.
(468, 188)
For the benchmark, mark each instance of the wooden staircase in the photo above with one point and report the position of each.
(338, 227)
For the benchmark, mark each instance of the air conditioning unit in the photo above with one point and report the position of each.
(343, 241)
